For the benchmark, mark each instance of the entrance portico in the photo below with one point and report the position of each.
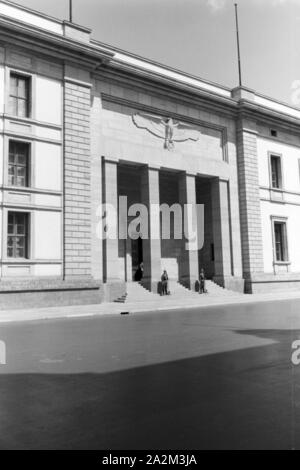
(168, 190)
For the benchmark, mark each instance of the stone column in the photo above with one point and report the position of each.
(128, 261)
(96, 185)
(152, 245)
(111, 244)
(77, 175)
(250, 214)
(189, 264)
(221, 231)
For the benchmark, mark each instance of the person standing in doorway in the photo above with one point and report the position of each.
(202, 289)
(139, 273)
(164, 283)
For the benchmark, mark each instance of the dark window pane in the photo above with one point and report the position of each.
(21, 170)
(19, 95)
(10, 252)
(17, 240)
(22, 88)
(20, 242)
(276, 172)
(20, 229)
(20, 218)
(18, 166)
(21, 159)
(20, 253)
(12, 106)
(22, 108)
(13, 85)
(280, 242)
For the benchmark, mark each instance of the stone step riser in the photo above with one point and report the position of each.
(138, 293)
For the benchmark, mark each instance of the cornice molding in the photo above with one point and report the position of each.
(130, 71)
(96, 59)
(250, 110)
(184, 97)
(47, 43)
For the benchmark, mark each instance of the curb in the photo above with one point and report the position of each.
(134, 309)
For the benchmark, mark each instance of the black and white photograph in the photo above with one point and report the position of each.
(149, 228)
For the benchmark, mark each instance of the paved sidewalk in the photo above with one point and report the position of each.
(159, 304)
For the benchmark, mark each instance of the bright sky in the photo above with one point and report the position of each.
(198, 36)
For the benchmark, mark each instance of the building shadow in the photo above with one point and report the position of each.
(243, 399)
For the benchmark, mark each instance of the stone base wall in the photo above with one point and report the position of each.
(113, 290)
(35, 293)
(272, 283)
(235, 284)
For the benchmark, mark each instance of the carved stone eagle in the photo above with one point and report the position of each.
(166, 128)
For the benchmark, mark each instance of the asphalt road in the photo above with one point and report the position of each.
(215, 378)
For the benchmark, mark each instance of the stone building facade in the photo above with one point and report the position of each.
(82, 124)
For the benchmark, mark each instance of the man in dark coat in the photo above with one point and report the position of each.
(202, 289)
(164, 283)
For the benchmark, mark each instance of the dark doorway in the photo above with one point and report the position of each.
(136, 254)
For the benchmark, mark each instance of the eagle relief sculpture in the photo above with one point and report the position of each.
(166, 128)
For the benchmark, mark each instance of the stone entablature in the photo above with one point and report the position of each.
(69, 32)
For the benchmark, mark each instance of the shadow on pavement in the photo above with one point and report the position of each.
(245, 399)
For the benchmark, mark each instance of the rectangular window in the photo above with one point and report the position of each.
(280, 238)
(276, 172)
(17, 235)
(273, 133)
(18, 164)
(19, 95)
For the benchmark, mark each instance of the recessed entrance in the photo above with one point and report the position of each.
(173, 190)
(136, 256)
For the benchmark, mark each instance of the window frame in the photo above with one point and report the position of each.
(273, 133)
(28, 144)
(281, 181)
(27, 100)
(15, 235)
(284, 222)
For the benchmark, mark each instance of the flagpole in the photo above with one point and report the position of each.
(238, 43)
(71, 10)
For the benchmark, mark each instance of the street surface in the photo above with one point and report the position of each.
(211, 378)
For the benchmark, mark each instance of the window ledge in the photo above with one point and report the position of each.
(25, 261)
(279, 190)
(33, 121)
(281, 263)
(31, 189)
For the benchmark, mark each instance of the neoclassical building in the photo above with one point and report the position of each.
(83, 123)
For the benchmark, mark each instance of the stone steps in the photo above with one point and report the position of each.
(135, 292)
(215, 289)
(177, 290)
(121, 300)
